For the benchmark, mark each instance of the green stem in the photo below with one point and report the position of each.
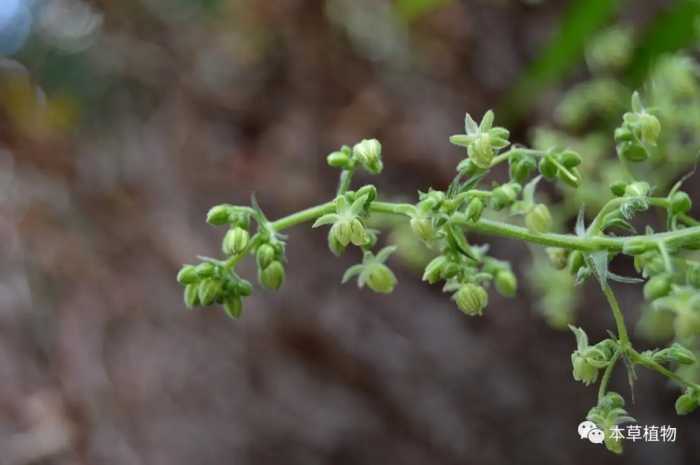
(345, 180)
(618, 316)
(646, 362)
(304, 216)
(602, 389)
(501, 229)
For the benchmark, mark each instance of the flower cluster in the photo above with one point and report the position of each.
(446, 220)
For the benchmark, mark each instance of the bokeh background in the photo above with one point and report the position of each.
(122, 122)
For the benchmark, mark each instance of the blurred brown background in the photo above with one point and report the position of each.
(124, 121)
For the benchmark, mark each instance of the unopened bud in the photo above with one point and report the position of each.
(471, 299)
(209, 291)
(369, 152)
(272, 277)
(680, 203)
(233, 306)
(481, 151)
(220, 215)
(380, 278)
(339, 159)
(506, 283)
(235, 241)
(187, 275)
(539, 220)
(265, 255)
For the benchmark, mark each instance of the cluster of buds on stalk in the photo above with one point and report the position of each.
(443, 220)
(638, 134)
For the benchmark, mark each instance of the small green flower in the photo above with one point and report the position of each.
(609, 414)
(471, 299)
(347, 227)
(187, 275)
(504, 195)
(192, 295)
(658, 286)
(233, 306)
(587, 360)
(676, 354)
(506, 283)
(422, 226)
(373, 272)
(272, 277)
(209, 291)
(434, 271)
(558, 257)
(220, 214)
(680, 203)
(235, 241)
(341, 158)
(688, 401)
(474, 209)
(265, 255)
(482, 141)
(539, 220)
(368, 153)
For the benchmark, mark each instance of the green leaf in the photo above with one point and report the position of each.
(352, 272)
(384, 254)
(329, 218)
(581, 338)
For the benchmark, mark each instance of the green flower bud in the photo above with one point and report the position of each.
(243, 288)
(191, 295)
(548, 168)
(570, 159)
(582, 370)
(235, 241)
(233, 306)
(339, 159)
(649, 127)
(522, 168)
(220, 215)
(205, 270)
(676, 353)
(335, 245)
(434, 270)
(481, 151)
(358, 233)
(686, 403)
(632, 151)
(680, 203)
(656, 287)
(380, 278)
(506, 283)
(539, 220)
(209, 290)
(474, 209)
(471, 299)
(341, 232)
(504, 195)
(264, 255)
(637, 189)
(272, 277)
(423, 227)
(618, 188)
(558, 257)
(187, 275)
(467, 167)
(369, 152)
